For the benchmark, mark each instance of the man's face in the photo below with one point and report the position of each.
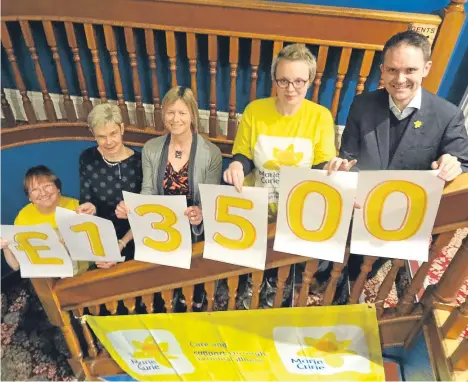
(403, 71)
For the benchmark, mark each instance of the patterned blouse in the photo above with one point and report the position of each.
(102, 184)
(176, 182)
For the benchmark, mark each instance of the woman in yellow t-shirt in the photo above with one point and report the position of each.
(286, 130)
(43, 189)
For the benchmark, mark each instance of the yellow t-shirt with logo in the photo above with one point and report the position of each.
(30, 215)
(272, 140)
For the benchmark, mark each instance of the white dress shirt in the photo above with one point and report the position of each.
(415, 103)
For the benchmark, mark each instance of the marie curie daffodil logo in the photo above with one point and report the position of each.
(287, 157)
(417, 124)
(150, 349)
(328, 348)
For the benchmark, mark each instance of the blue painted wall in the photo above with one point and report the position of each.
(62, 157)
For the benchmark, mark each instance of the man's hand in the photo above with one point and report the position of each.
(339, 164)
(234, 174)
(449, 167)
(105, 264)
(86, 208)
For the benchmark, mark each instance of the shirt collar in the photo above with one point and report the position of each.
(415, 103)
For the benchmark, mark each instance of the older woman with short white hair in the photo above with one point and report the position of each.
(108, 169)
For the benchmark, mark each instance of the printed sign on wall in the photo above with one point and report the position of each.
(161, 231)
(235, 224)
(397, 215)
(314, 212)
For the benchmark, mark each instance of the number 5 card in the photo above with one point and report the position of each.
(235, 224)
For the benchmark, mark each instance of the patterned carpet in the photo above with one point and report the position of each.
(32, 349)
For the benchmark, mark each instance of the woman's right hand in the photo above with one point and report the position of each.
(234, 175)
(122, 210)
(4, 243)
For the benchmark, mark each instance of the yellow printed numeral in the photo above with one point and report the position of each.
(415, 210)
(92, 231)
(222, 215)
(174, 238)
(24, 245)
(331, 217)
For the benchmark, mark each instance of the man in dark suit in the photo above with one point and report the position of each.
(403, 127)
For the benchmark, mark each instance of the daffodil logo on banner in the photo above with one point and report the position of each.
(301, 344)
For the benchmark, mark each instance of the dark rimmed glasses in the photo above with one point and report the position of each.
(298, 83)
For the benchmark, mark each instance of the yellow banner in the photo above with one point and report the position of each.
(293, 344)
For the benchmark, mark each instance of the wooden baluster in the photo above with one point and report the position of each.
(91, 41)
(406, 303)
(94, 310)
(254, 63)
(130, 304)
(334, 276)
(386, 286)
(48, 104)
(365, 70)
(358, 287)
(112, 306)
(140, 110)
(71, 37)
(7, 112)
(187, 291)
(232, 286)
(307, 277)
(192, 57)
(212, 58)
(171, 53)
(456, 322)
(277, 46)
(283, 273)
(459, 358)
(257, 278)
(148, 302)
(454, 277)
(233, 61)
(28, 108)
(167, 296)
(342, 70)
(67, 101)
(321, 62)
(92, 350)
(210, 287)
(151, 50)
(111, 45)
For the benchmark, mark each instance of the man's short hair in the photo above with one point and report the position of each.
(40, 171)
(410, 38)
(295, 52)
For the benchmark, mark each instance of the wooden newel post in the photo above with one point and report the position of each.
(45, 291)
(454, 17)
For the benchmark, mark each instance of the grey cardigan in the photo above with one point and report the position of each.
(205, 166)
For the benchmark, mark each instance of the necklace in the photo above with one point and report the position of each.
(178, 154)
(110, 164)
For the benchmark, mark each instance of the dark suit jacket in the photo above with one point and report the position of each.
(366, 135)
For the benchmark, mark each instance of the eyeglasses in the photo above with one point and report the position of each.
(47, 188)
(298, 83)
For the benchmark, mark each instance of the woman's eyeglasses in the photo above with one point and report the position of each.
(298, 83)
(47, 188)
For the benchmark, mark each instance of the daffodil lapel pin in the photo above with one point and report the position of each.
(417, 124)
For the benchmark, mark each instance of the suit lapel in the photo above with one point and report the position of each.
(382, 130)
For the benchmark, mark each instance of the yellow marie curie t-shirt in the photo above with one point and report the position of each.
(30, 215)
(272, 140)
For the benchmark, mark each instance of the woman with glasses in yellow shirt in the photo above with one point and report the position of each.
(286, 130)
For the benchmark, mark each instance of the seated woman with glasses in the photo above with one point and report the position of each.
(286, 130)
(108, 169)
(43, 189)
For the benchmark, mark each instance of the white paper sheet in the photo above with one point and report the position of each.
(88, 237)
(155, 245)
(325, 222)
(243, 248)
(43, 244)
(395, 217)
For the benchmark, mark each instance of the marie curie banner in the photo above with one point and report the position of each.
(299, 344)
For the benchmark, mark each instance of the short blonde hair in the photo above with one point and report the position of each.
(186, 95)
(103, 114)
(295, 52)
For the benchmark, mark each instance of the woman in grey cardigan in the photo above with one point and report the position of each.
(174, 164)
